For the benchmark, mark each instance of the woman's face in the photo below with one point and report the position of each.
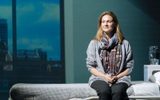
(107, 23)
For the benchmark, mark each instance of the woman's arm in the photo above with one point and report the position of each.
(124, 73)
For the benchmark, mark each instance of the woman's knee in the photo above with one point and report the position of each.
(101, 87)
(104, 91)
(119, 92)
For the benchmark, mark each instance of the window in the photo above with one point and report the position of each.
(39, 40)
(31, 42)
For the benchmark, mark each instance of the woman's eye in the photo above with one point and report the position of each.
(108, 21)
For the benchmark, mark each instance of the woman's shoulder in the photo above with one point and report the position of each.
(94, 41)
(125, 42)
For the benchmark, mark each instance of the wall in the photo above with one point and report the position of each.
(139, 24)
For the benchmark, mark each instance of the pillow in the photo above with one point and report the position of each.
(152, 79)
(157, 77)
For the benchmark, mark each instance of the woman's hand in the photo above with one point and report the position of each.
(114, 79)
(108, 78)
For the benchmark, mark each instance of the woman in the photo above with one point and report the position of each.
(110, 60)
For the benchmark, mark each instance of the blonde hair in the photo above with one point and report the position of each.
(116, 30)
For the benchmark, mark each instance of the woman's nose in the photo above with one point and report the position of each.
(106, 23)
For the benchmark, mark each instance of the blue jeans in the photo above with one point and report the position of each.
(115, 92)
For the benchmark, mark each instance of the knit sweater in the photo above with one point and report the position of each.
(93, 60)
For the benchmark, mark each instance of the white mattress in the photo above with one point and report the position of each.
(23, 91)
(146, 89)
(50, 91)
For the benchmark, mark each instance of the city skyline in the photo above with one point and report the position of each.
(38, 26)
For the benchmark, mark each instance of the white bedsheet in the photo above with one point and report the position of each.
(146, 89)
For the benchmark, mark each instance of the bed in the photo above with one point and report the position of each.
(78, 91)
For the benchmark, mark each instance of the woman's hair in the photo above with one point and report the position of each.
(115, 30)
